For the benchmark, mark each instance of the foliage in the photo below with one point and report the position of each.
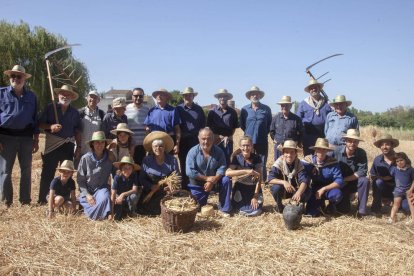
(176, 98)
(397, 117)
(21, 45)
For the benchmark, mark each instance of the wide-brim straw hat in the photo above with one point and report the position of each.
(255, 89)
(340, 99)
(285, 100)
(158, 135)
(313, 82)
(189, 90)
(66, 165)
(290, 144)
(17, 69)
(98, 136)
(162, 91)
(352, 134)
(223, 93)
(118, 102)
(127, 160)
(321, 143)
(69, 89)
(384, 138)
(121, 127)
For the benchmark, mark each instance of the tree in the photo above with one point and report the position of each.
(21, 45)
(176, 98)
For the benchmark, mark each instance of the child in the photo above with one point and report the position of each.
(122, 145)
(62, 190)
(124, 194)
(403, 174)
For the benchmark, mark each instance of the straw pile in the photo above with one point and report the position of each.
(180, 204)
(68, 245)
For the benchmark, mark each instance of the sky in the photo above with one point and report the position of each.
(235, 44)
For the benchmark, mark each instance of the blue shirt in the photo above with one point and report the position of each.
(222, 123)
(61, 189)
(301, 176)
(110, 122)
(70, 121)
(162, 119)
(152, 172)
(324, 175)
(197, 165)
(122, 184)
(357, 163)
(290, 128)
(256, 124)
(239, 163)
(336, 126)
(380, 167)
(313, 123)
(403, 179)
(18, 114)
(192, 119)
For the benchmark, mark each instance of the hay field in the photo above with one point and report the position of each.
(72, 245)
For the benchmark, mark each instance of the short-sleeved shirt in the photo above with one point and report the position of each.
(192, 119)
(122, 184)
(110, 122)
(256, 123)
(136, 117)
(163, 119)
(324, 174)
(336, 126)
(380, 168)
(222, 122)
(61, 189)
(403, 179)
(152, 172)
(355, 164)
(290, 128)
(70, 121)
(239, 163)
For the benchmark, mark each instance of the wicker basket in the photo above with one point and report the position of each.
(177, 221)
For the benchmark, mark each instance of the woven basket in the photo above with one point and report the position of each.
(177, 221)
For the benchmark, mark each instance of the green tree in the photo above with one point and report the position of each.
(21, 45)
(176, 98)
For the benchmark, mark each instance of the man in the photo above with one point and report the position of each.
(192, 120)
(313, 111)
(382, 182)
(112, 119)
(19, 134)
(205, 167)
(164, 117)
(285, 126)
(136, 113)
(91, 120)
(255, 120)
(60, 137)
(353, 162)
(223, 121)
(339, 121)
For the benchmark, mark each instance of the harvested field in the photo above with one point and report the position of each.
(32, 244)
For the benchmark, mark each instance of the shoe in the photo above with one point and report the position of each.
(330, 209)
(224, 214)
(390, 221)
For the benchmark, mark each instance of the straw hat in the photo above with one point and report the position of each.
(352, 134)
(98, 136)
(285, 100)
(158, 135)
(67, 88)
(66, 165)
(290, 144)
(207, 211)
(121, 127)
(189, 90)
(313, 82)
(94, 93)
(384, 138)
(162, 91)
(118, 102)
(223, 93)
(255, 89)
(321, 143)
(17, 69)
(127, 160)
(340, 99)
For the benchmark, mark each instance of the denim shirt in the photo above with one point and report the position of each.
(336, 126)
(256, 124)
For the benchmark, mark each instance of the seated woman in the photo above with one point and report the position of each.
(326, 178)
(246, 172)
(157, 165)
(93, 172)
(288, 177)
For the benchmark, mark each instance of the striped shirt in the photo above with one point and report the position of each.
(136, 117)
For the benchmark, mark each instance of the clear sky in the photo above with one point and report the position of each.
(212, 44)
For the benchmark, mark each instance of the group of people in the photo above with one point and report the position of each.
(122, 157)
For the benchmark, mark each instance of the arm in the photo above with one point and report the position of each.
(177, 131)
(73, 200)
(51, 203)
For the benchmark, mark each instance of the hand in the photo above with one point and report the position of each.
(55, 128)
(288, 187)
(254, 203)
(296, 196)
(91, 200)
(211, 179)
(119, 200)
(320, 193)
(35, 147)
(176, 149)
(208, 186)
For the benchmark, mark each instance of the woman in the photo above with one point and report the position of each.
(155, 166)
(93, 172)
(326, 177)
(288, 177)
(246, 171)
(122, 145)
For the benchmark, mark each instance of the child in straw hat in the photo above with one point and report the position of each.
(62, 190)
(124, 192)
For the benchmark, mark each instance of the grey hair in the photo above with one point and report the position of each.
(157, 142)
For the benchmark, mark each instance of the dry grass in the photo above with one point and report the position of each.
(32, 244)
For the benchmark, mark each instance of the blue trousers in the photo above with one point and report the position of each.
(223, 187)
(22, 148)
(129, 205)
(381, 189)
(278, 192)
(242, 197)
(101, 209)
(312, 207)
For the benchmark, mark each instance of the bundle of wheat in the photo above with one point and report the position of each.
(173, 181)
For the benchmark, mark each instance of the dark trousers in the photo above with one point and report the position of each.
(262, 149)
(381, 189)
(186, 143)
(227, 149)
(278, 192)
(362, 187)
(50, 163)
(139, 154)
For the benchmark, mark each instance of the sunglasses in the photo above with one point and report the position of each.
(138, 96)
(16, 76)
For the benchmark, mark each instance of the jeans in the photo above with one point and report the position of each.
(22, 148)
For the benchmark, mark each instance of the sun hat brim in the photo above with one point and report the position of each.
(158, 135)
